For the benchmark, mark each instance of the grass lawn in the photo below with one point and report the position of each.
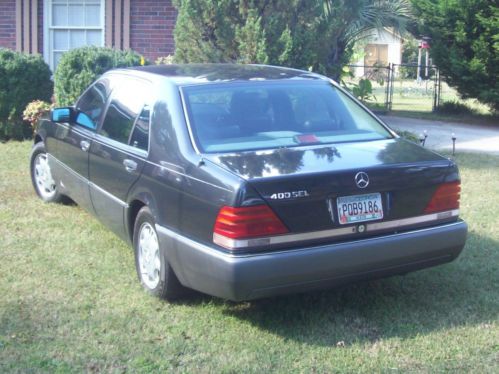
(409, 104)
(70, 302)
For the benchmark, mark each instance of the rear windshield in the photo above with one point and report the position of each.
(230, 117)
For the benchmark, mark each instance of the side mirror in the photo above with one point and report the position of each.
(72, 115)
(62, 114)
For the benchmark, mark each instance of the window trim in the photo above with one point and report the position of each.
(47, 29)
(146, 105)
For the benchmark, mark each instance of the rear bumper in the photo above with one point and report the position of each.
(245, 277)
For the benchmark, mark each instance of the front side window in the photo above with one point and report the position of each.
(92, 103)
(127, 117)
(258, 115)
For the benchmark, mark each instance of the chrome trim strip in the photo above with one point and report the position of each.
(188, 122)
(67, 168)
(288, 238)
(89, 184)
(411, 221)
(108, 194)
(227, 256)
(281, 239)
(192, 243)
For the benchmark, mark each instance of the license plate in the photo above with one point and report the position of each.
(359, 208)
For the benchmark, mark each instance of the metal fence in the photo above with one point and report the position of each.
(402, 87)
(379, 77)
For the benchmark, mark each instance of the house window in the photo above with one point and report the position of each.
(72, 24)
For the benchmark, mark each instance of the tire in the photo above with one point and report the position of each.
(41, 176)
(151, 262)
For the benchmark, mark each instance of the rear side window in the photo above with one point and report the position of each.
(260, 115)
(127, 117)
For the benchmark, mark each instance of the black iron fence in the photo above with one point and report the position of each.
(401, 87)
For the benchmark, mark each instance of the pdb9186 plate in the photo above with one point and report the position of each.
(359, 208)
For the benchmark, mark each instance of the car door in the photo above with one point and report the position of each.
(73, 141)
(119, 149)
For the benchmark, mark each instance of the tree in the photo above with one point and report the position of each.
(350, 21)
(310, 34)
(464, 45)
(410, 51)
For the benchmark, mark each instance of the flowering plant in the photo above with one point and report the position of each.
(35, 110)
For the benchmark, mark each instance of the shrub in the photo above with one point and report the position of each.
(23, 78)
(81, 66)
(454, 107)
(408, 135)
(376, 107)
(363, 90)
(35, 110)
(165, 60)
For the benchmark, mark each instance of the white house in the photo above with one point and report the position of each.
(381, 47)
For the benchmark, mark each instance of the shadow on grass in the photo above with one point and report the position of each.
(457, 294)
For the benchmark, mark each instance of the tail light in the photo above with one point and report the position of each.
(246, 222)
(446, 197)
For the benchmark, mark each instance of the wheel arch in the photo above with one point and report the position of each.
(38, 138)
(43, 129)
(134, 206)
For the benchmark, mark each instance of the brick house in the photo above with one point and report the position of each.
(51, 27)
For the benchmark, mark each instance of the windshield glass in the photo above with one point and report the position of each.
(232, 117)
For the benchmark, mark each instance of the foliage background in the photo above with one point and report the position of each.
(23, 78)
(79, 67)
(318, 35)
(465, 44)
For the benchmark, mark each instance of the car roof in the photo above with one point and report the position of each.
(191, 74)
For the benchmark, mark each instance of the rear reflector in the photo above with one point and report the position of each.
(446, 197)
(248, 222)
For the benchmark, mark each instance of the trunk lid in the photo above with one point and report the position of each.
(302, 185)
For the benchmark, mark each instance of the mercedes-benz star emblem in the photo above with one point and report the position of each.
(361, 179)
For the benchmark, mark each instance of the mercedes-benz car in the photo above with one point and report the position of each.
(247, 181)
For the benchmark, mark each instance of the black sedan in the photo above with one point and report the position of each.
(245, 181)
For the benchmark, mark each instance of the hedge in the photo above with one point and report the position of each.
(23, 78)
(81, 66)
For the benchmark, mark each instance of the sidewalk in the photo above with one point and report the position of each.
(469, 137)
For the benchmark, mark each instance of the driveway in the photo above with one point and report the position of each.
(469, 137)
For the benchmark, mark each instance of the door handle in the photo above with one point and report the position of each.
(84, 145)
(130, 165)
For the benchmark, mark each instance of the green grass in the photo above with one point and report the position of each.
(414, 100)
(70, 302)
